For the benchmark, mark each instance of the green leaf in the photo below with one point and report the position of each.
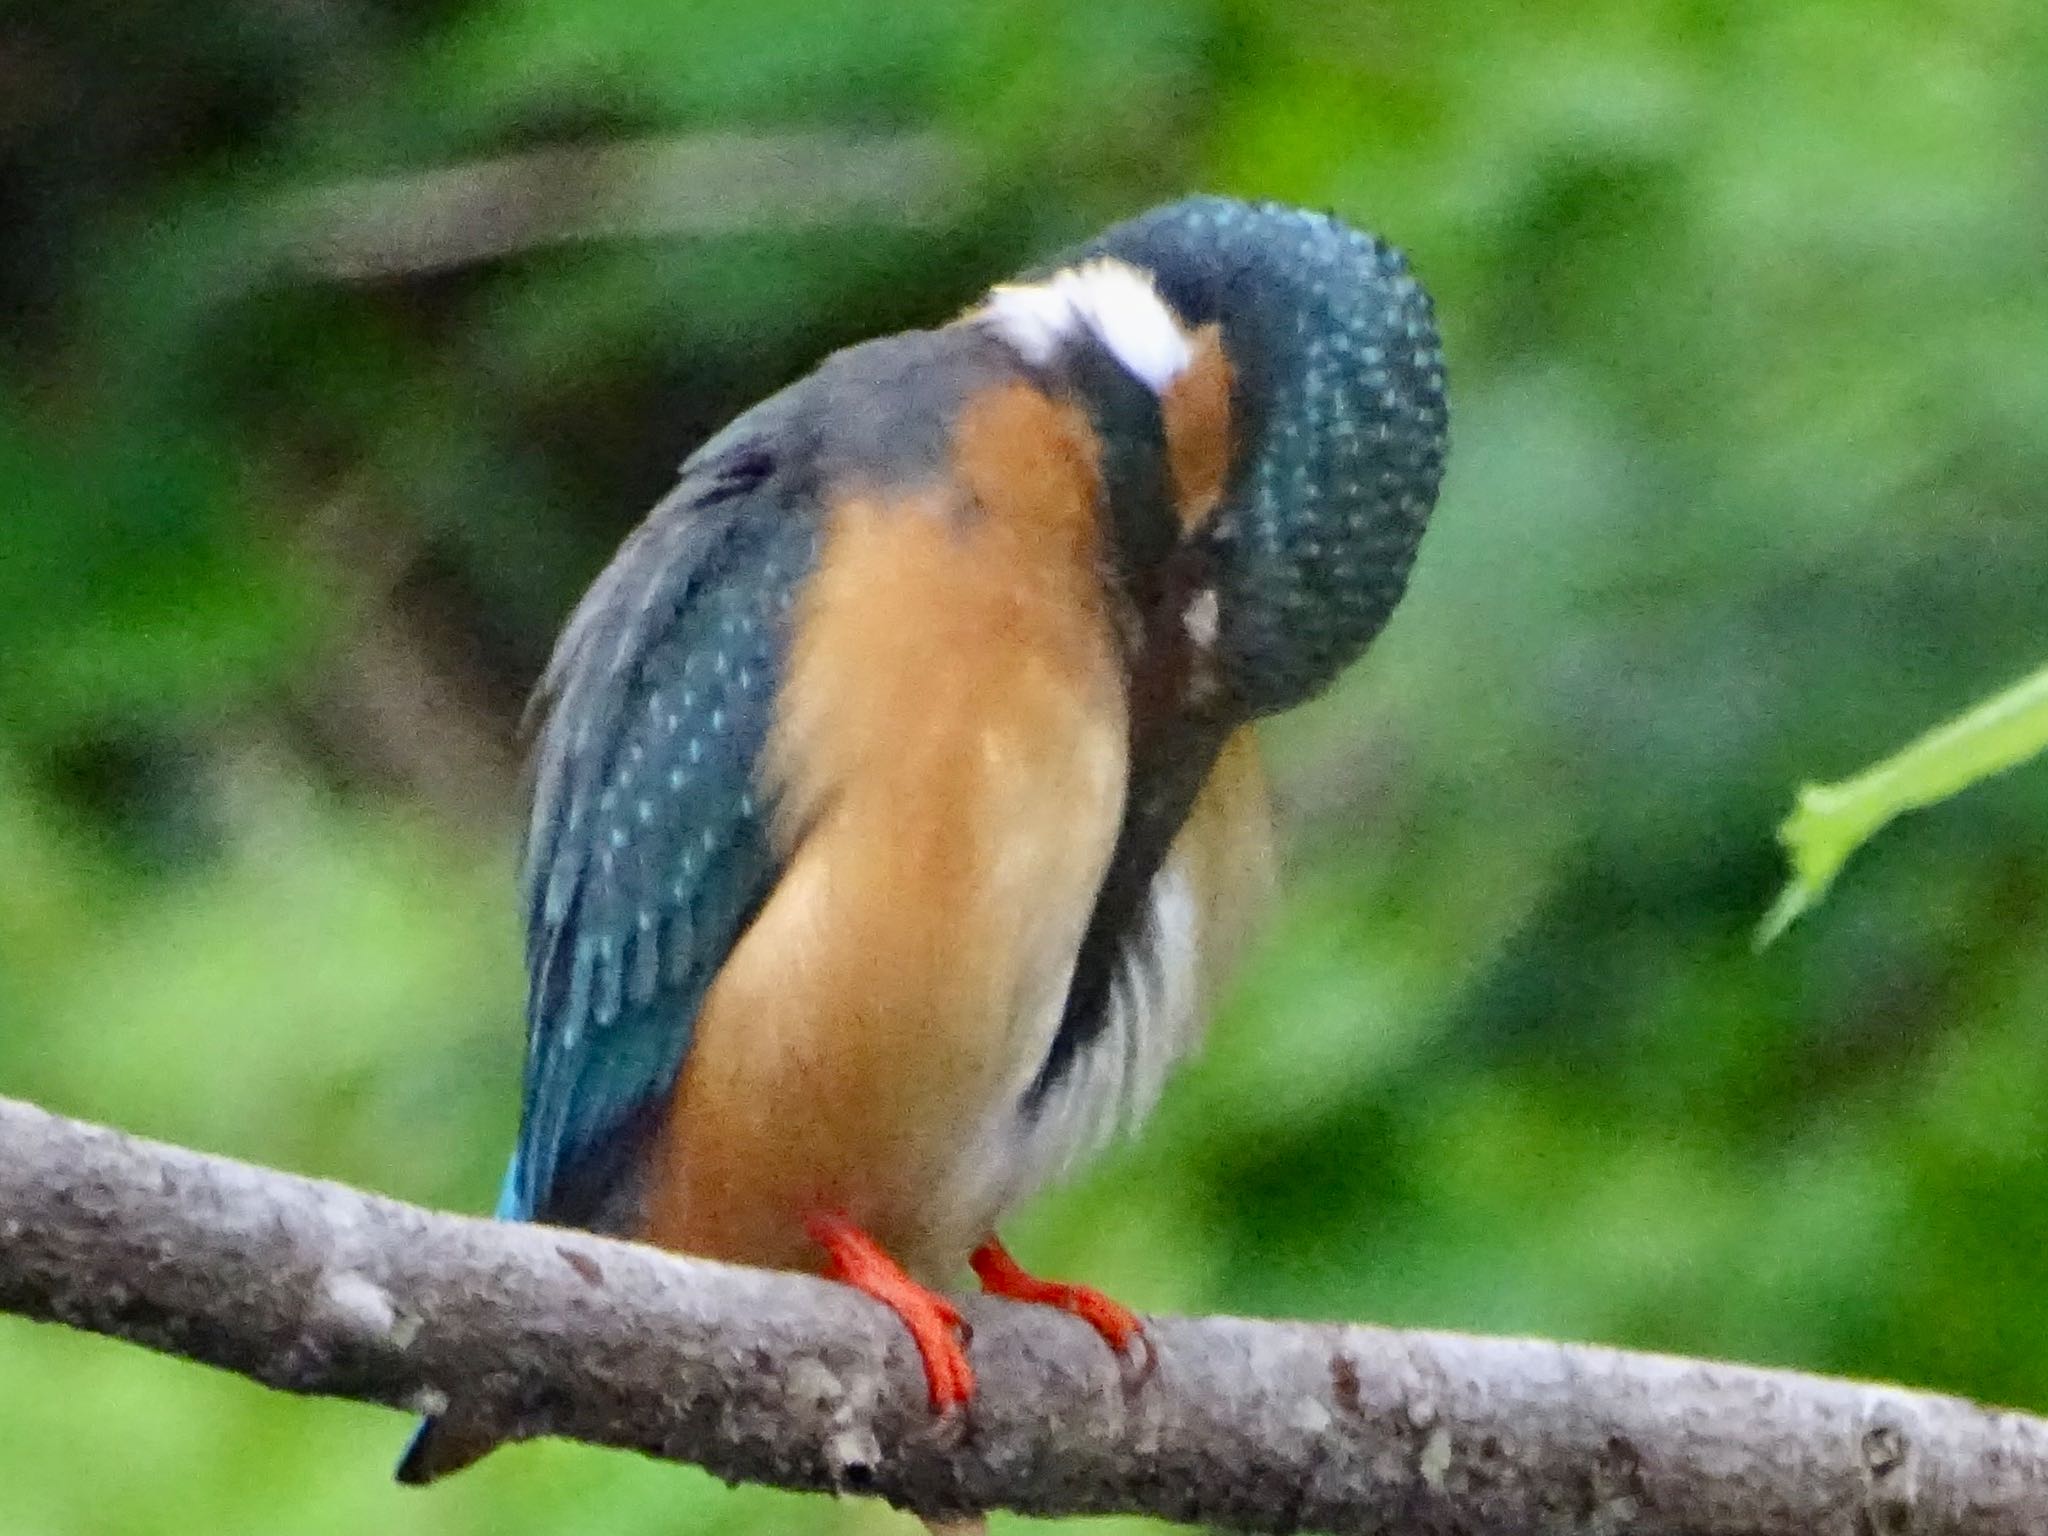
(1831, 821)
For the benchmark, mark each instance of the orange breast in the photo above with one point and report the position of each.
(950, 750)
(1227, 849)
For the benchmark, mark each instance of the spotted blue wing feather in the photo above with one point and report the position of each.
(648, 851)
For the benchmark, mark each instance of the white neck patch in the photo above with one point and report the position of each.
(1109, 299)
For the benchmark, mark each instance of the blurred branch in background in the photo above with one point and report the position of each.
(1831, 821)
(315, 1288)
(395, 697)
(697, 184)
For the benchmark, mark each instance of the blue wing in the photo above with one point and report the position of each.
(648, 852)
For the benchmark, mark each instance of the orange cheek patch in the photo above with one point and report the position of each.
(1196, 409)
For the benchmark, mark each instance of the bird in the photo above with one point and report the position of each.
(896, 812)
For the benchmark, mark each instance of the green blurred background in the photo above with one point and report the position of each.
(345, 339)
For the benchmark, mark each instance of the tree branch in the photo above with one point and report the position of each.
(693, 184)
(312, 1287)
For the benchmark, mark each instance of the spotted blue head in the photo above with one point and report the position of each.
(1338, 416)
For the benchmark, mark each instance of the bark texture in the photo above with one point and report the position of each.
(315, 1288)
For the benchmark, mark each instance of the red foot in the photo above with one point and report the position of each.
(934, 1322)
(1000, 1275)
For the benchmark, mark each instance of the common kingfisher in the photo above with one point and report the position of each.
(896, 813)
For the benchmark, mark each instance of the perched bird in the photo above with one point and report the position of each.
(896, 814)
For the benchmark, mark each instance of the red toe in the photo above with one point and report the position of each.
(1001, 1275)
(934, 1322)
